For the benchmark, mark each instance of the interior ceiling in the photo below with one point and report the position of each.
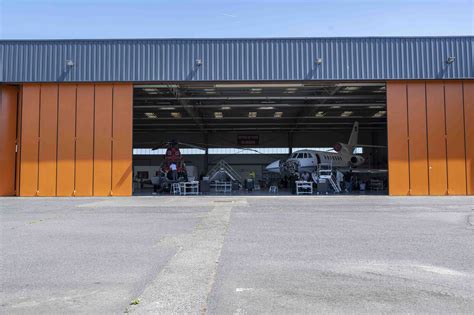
(247, 106)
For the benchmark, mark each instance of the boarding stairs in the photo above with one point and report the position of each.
(325, 172)
(222, 167)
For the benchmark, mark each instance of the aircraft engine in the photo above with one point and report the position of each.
(357, 160)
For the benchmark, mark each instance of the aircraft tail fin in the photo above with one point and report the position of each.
(354, 135)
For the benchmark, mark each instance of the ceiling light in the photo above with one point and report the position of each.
(218, 115)
(255, 91)
(270, 85)
(252, 114)
(376, 106)
(225, 107)
(380, 113)
(278, 114)
(167, 108)
(319, 114)
(352, 88)
(268, 102)
(266, 107)
(151, 115)
(346, 114)
(176, 114)
(210, 92)
(149, 89)
(291, 89)
(335, 106)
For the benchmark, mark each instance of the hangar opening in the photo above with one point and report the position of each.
(260, 138)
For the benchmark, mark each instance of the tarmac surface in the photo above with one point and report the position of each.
(237, 255)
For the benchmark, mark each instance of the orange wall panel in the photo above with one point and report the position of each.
(468, 88)
(66, 140)
(85, 140)
(76, 140)
(18, 135)
(103, 140)
(122, 140)
(48, 140)
(397, 128)
(418, 147)
(455, 137)
(438, 179)
(8, 120)
(29, 139)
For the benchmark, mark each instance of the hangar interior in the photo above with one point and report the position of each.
(252, 124)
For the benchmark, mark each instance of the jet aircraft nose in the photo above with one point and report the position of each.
(273, 167)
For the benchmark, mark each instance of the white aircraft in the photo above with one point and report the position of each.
(308, 160)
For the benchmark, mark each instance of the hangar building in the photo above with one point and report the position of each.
(81, 117)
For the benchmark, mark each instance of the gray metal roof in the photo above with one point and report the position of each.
(143, 60)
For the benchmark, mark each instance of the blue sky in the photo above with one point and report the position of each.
(49, 19)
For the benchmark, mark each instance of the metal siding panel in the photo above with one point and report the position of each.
(237, 59)
(397, 131)
(48, 140)
(436, 138)
(84, 173)
(66, 139)
(417, 144)
(455, 138)
(29, 139)
(122, 140)
(103, 140)
(468, 88)
(8, 121)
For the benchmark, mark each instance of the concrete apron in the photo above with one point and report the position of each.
(185, 282)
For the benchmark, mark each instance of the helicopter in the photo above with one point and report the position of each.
(164, 177)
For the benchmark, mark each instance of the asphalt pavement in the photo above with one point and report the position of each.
(237, 255)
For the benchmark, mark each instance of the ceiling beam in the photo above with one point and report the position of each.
(226, 98)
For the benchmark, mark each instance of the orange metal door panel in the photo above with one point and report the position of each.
(66, 139)
(8, 119)
(48, 140)
(397, 125)
(85, 140)
(102, 140)
(436, 138)
(455, 138)
(122, 140)
(18, 136)
(469, 133)
(29, 139)
(418, 147)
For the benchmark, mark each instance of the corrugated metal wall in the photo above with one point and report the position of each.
(76, 140)
(431, 137)
(237, 59)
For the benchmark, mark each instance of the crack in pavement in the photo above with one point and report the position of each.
(184, 284)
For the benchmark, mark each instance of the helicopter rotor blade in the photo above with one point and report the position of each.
(191, 145)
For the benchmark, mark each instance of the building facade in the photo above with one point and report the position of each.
(66, 122)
